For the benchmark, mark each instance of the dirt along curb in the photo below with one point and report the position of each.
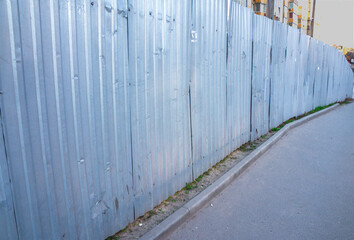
(172, 222)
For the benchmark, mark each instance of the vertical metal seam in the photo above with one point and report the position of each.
(130, 113)
(191, 128)
(9, 173)
(59, 117)
(73, 78)
(18, 109)
(251, 82)
(270, 76)
(40, 120)
(191, 74)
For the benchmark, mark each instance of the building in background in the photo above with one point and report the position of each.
(305, 16)
(245, 3)
(276, 7)
(295, 13)
(299, 22)
(293, 9)
(260, 7)
(285, 7)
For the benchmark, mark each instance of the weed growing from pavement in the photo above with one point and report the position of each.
(171, 199)
(200, 177)
(190, 186)
(317, 109)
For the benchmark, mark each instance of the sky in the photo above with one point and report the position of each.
(335, 22)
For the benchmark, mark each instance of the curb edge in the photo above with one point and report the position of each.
(173, 221)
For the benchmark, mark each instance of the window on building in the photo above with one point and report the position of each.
(259, 8)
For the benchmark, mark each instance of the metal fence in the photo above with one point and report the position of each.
(109, 107)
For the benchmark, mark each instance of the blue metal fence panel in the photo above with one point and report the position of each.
(17, 132)
(69, 146)
(8, 228)
(239, 62)
(262, 41)
(208, 84)
(290, 94)
(159, 100)
(331, 58)
(325, 75)
(318, 56)
(301, 64)
(278, 79)
(306, 64)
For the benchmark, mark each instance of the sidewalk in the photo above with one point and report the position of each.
(302, 188)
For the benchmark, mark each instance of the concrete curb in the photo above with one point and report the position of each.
(162, 230)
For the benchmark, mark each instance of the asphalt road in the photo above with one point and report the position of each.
(302, 188)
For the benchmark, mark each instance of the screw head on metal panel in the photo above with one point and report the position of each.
(194, 36)
(108, 7)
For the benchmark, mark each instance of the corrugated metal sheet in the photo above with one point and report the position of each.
(262, 45)
(278, 77)
(208, 84)
(68, 145)
(7, 220)
(290, 90)
(239, 72)
(303, 84)
(108, 107)
(159, 100)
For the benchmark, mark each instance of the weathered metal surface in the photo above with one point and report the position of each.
(278, 77)
(260, 81)
(66, 116)
(109, 107)
(7, 220)
(159, 100)
(208, 84)
(239, 72)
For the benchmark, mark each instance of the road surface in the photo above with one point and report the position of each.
(302, 188)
